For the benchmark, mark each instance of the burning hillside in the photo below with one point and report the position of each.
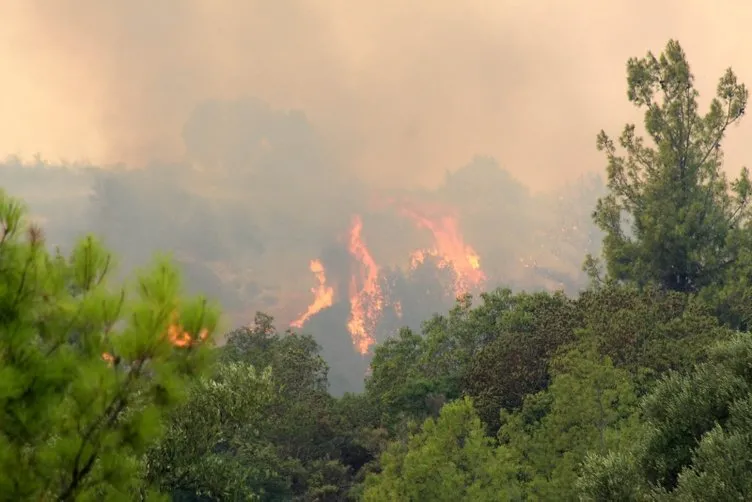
(366, 296)
(320, 252)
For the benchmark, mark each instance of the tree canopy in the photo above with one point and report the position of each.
(638, 388)
(670, 216)
(88, 368)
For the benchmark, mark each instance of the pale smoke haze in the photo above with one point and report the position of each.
(255, 130)
(403, 89)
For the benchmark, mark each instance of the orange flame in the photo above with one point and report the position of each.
(175, 333)
(323, 295)
(366, 299)
(108, 358)
(181, 338)
(450, 249)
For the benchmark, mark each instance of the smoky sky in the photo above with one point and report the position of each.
(403, 90)
(249, 132)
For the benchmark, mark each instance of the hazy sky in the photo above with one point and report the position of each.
(404, 89)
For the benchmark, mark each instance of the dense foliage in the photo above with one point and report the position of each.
(638, 388)
(87, 369)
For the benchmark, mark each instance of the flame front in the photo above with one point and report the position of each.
(366, 299)
(323, 295)
(450, 249)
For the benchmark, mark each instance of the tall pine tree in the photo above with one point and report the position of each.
(87, 369)
(671, 217)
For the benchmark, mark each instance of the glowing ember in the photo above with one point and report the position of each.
(323, 295)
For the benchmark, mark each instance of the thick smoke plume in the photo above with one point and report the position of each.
(246, 137)
(404, 90)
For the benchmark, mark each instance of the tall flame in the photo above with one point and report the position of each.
(366, 299)
(450, 249)
(323, 295)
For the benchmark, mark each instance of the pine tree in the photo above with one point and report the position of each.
(87, 369)
(685, 217)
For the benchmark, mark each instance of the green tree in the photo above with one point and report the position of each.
(302, 420)
(686, 222)
(294, 358)
(365, 438)
(494, 352)
(524, 332)
(397, 385)
(450, 459)
(650, 331)
(300, 408)
(589, 406)
(87, 369)
(214, 447)
(695, 442)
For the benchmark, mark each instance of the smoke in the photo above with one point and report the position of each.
(402, 90)
(250, 133)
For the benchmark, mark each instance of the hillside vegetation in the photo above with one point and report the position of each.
(639, 388)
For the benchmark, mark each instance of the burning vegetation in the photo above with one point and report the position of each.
(367, 298)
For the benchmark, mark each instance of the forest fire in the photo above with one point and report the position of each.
(323, 295)
(449, 248)
(366, 297)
